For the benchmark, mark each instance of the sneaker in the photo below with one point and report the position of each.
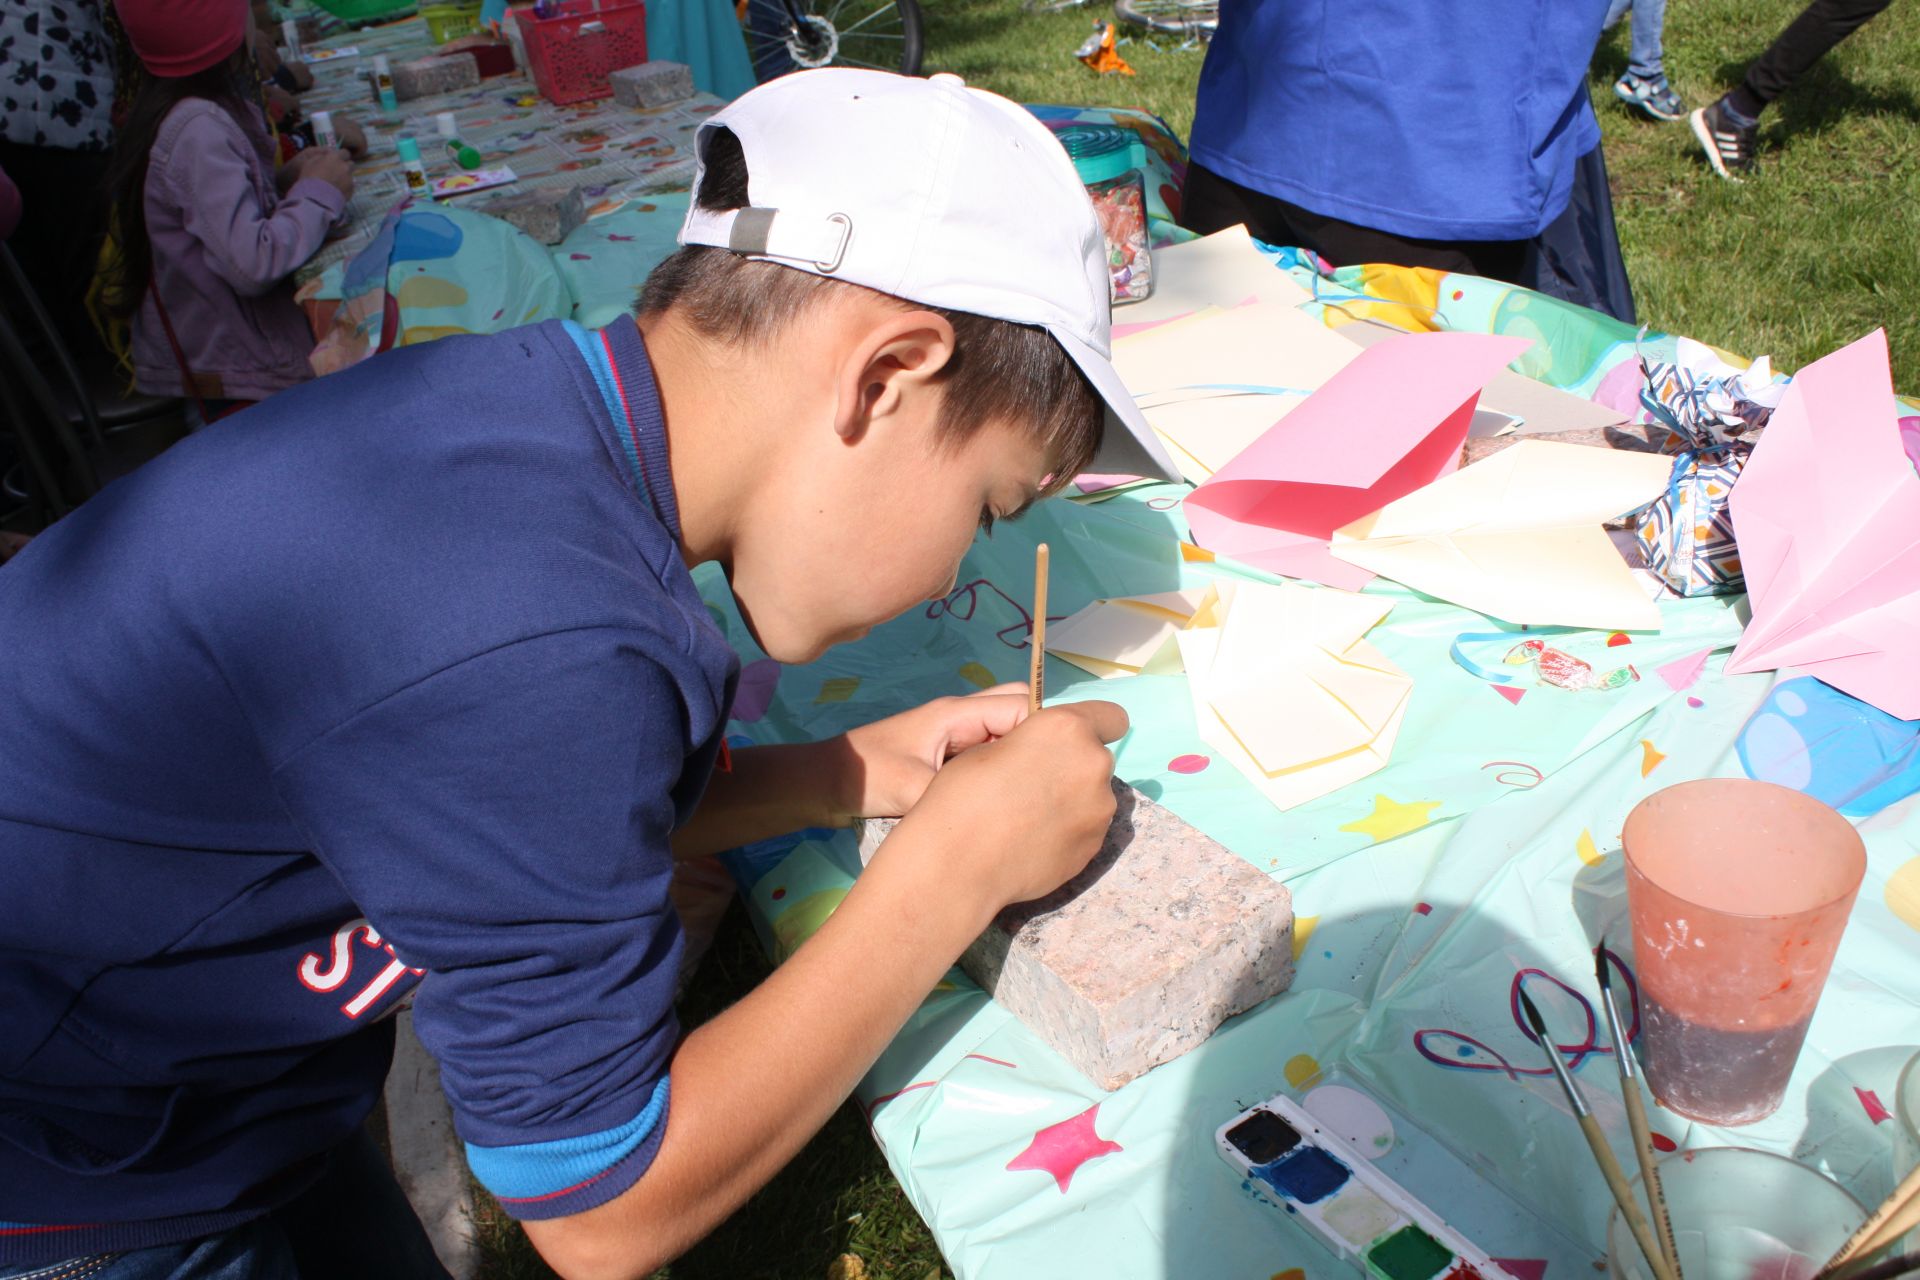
(1655, 97)
(1729, 145)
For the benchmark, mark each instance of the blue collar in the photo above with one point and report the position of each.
(617, 358)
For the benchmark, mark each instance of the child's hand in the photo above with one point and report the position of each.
(352, 137)
(327, 164)
(888, 764)
(1022, 815)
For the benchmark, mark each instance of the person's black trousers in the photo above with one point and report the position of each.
(1576, 258)
(1820, 26)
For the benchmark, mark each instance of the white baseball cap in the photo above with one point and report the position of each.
(935, 193)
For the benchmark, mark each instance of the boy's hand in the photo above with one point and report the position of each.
(889, 763)
(1023, 814)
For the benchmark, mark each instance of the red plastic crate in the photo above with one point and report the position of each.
(572, 51)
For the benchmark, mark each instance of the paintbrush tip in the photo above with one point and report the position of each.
(1601, 969)
(1534, 1019)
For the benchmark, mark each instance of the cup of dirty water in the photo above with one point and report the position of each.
(1738, 893)
(1740, 1214)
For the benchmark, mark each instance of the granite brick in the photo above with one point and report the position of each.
(546, 215)
(1139, 958)
(425, 77)
(652, 84)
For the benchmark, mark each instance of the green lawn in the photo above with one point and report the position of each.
(1823, 245)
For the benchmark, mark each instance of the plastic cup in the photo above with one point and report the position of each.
(1740, 1214)
(1738, 892)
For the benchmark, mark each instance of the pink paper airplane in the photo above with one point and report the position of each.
(1827, 516)
(1388, 423)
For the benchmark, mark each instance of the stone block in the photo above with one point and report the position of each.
(425, 77)
(1141, 956)
(545, 214)
(652, 84)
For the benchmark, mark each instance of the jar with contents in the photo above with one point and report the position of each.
(1103, 157)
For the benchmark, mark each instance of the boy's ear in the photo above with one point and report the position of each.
(894, 363)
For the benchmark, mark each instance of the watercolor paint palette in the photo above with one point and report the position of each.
(1295, 1162)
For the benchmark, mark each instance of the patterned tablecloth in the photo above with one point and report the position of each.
(610, 151)
(1485, 857)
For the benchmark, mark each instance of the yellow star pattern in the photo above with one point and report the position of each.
(1390, 818)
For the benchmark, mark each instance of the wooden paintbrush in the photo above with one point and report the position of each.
(1905, 1264)
(1636, 1112)
(1602, 1154)
(1898, 1214)
(1036, 675)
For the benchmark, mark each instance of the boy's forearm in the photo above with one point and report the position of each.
(769, 791)
(753, 1085)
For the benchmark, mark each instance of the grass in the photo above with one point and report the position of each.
(1823, 245)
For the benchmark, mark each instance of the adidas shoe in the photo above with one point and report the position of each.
(1729, 145)
(1653, 96)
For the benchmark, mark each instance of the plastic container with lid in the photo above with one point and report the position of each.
(1104, 159)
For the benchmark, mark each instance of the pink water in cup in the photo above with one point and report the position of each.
(1738, 892)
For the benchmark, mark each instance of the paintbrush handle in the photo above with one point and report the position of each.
(1649, 1173)
(1899, 1205)
(1891, 1230)
(1623, 1196)
(1036, 674)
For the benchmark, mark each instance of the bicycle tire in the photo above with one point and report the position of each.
(883, 35)
(1174, 17)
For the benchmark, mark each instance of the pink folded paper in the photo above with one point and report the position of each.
(1827, 516)
(1390, 422)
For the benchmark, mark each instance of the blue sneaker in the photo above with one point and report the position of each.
(1655, 97)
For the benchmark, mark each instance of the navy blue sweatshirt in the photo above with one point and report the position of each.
(394, 684)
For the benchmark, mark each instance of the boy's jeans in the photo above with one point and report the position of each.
(1644, 58)
(353, 1224)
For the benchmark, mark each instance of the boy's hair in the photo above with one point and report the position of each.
(1000, 371)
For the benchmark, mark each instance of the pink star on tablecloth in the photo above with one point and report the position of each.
(1062, 1148)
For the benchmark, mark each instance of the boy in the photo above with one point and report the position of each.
(399, 683)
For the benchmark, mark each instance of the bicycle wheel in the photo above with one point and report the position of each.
(1176, 17)
(792, 35)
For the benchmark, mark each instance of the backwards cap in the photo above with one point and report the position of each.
(936, 193)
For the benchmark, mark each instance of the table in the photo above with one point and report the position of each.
(610, 151)
(1488, 849)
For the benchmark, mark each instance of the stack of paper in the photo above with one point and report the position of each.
(1220, 270)
(1517, 536)
(1286, 688)
(1390, 420)
(1126, 636)
(1213, 383)
(1827, 515)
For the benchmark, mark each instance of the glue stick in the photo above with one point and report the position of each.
(290, 36)
(462, 154)
(324, 134)
(383, 84)
(416, 172)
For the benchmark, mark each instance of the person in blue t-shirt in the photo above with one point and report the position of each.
(399, 686)
(1432, 135)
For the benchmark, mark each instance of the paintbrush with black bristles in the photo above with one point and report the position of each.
(1636, 1111)
(1602, 1154)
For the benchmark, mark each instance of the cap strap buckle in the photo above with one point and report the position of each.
(770, 233)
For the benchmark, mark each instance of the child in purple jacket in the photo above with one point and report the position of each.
(208, 236)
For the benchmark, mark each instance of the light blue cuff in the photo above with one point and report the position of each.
(544, 1170)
